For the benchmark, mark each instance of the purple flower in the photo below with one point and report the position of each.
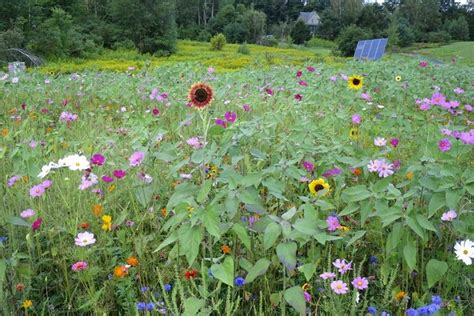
(444, 145)
(327, 275)
(308, 166)
(449, 216)
(68, 117)
(269, 91)
(332, 172)
(360, 283)
(46, 184)
(342, 265)
(394, 142)
(333, 223)
(119, 174)
(246, 107)
(136, 158)
(230, 116)
(298, 97)
(437, 99)
(310, 68)
(366, 97)
(195, 142)
(307, 296)
(88, 181)
(458, 90)
(98, 160)
(37, 224)
(221, 122)
(356, 119)
(425, 106)
(11, 182)
(27, 213)
(468, 108)
(107, 179)
(37, 190)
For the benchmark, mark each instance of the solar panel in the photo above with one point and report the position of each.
(370, 49)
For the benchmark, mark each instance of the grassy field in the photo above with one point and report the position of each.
(462, 52)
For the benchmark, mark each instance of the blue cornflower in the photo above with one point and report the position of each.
(423, 310)
(436, 299)
(141, 306)
(411, 312)
(384, 313)
(373, 259)
(150, 307)
(239, 281)
(372, 310)
(168, 287)
(433, 308)
(144, 289)
(3, 239)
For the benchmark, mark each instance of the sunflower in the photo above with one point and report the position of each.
(318, 185)
(354, 133)
(200, 95)
(398, 78)
(355, 82)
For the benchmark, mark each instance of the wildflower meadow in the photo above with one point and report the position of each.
(288, 189)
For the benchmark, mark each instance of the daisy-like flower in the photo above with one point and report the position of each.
(333, 223)
(85, 239)
(449, 216)
(45, 170)
(356, 119)
(195, 142)
(444, 145)
(200, 95)
(79, 266)
(355, 82)
(385, 169)
(339, 287)
(37, 191)
(360, 283)
(98, 160)
(327, 275)
(373, 165)
(88, 181)
(136, 158)
(75, 162)
(27, 213)
(458, 90)
(308, 166)
(380, 141)
(318, 185)
(464, 251)
(342, 265)
(398, 78)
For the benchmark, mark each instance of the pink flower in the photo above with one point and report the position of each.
(307, 296)
(333, 78)
(107, 179)
(84, 239)
(68, 117)
(37, 190)
(79, 266)
(27, 213)
(88, 181)
(360, 283)
(310, 68)
(308, 166)
(37, 224)
(46, 184)
(246, 107)
(342, 265)
(230, 116)
(136, 158)
(459, 90)
(221, 122)
(98, 160)
(438, 99)
(11, 182)
(356, 119)
(303, 83)
(444, 145)
(449, 216)
(373, 165)
(366, 97)
(384, 169)
(298, 97)
(394, 142)
(119, 174)
(327, 275)
(468, 108)
(380, 141)
(425, 106)
(210, 70)
(269, 91)
(333, 223)
(299, 73)
(195, 142)
(339, 287)
(155, 112)
(423, 64)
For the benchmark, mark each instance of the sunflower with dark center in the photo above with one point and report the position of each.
(398, 78)
(355, 82)
(200, 95)
(318, 185)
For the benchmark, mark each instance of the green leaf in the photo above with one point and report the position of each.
(210, 220)
(356, 193)
(349, 209)
(260, 267)
(452, 198)
(272, 232)
(241, 232)
(225, 271)
(295, 297)
(357, 235)
(190, 242)
(435, 270)
(324, 205)
(252, 179)
(425, 223)
(192, 305)
(198, 156)
(169, 240)
(323, 237)
(415, 227)
(216, 130)
(409, 253)
(204, 192)
(17, 221)
(144, 195)
(286, 252)
(305, 226)
(308, 270)
(437, 201)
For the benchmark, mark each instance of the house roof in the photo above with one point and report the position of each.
(309, 18)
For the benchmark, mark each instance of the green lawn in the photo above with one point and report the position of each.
(463, 52)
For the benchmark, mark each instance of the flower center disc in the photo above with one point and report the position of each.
(355, 81)
(318, 187)
(201, 95)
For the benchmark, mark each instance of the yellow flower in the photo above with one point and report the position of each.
(27, 304)
(111, 188)
(107, 219)
(354, 133)
(318, 185)
(344, 228)
(398, 78)
(410, 175)
(107, 222)
(5, 132)
(355, 82)
(400, 295)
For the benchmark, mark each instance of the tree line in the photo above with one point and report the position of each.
(64, 28)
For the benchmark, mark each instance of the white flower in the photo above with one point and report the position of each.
(373, 166)
(74, 162)
(380, 141)
(15, 80)
(465, 251)
(46, 169)
(85, 239)
(385, 169)
(449, 216)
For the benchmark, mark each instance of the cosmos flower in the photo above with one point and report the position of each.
(119, 173)
(37, 191)
(342, 265)
(107, 179)
(385, 169)
(74, 162)
(458, 90)
(298, 97)
(46, 169)
(27, 213)
(12, 180)
(332, 172)
(339, 287)
(195, 142)
(88, 181)
(360, 283)
(136, 158)
(37, 224)
(221, 122)
(68, 117)
(365, 96)
(380, 141)
(98, 160)
(394, 142)
(464, 251)
(423, 64)
(200, 95)
(310, 68)
(246, 107)
(230, 116)
(356, 119)
(308, 166)
(79, 266)
(449, 216)
(302, 83)
(373, 165)
(85, 239)
(299, 73)
(327, 275)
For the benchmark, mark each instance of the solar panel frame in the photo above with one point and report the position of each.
(370, 49)
(359, 49)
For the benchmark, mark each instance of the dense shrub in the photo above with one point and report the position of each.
(300, 32)
(320, 42)
(243, 49)
(438, 37)
(218, 41)
(235, 33)
(268, 40)
(347, 40)
(406, 35)
(458, 29)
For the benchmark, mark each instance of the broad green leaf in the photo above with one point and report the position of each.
(252, 179)
(409, 253)
(204, 192)
(349, 209)
(435, 271)
(358, 235)
(438, 200)
(356, 193)
(415, 227)
(17, 221)
(425, 223)
(286, 252)
(323, 237)
(295, 297)
(210, 220)
(189, 242)
(308, 270)
(144, 195)
(452, 198)
(305, 226)
(198, 156)
(169, 240)
(241, 232)
(289, 214)
(258, 269)
(224, 271)
(192, 305)
(324, 205)
(272, 232)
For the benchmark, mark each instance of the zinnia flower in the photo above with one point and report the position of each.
(85, 239)
(37, 224)
(119, 174)
(132, 261)
(200, 95)
(120, 272)
(449, 216)
(308, 166)
(465, 251)
(190, 274)
(339, 287)
(79, 266)
(230, 116)
(360, 283)
(98, 160)
(356, 119)
(37, 191)
(136, 158)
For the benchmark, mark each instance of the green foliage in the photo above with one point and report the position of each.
(300, 32)
(243, 49)
(347, 40)
(457, 28)
(320, 42)
(218, 41)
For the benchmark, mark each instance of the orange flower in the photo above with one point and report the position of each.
(132, 261)
(120, 272)
(410, 175)
(200, 95)
(357, 172)
(400, 295)
(226, 249)
(97, 209)
(20, 287)
(84, 225)
(5, 132)
(49, 130)
(164, 212)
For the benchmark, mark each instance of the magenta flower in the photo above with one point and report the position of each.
(308, 166)
(307, 296)
(11, 182)
(332, 172)
(155, 112)
(302, 83)
(27, 213)
(449, 216)
(360, 283)
(221, 122)
(98, 160)
(298, 97)
(468, 108)
(342, 265)
(68, 117)
(299, 73)
(119, 174)
(394, 142)
(46, 184)
(438, 99)
(269, 91)
(444, 145)
(333, 223)
(356, 119)
(425, 106)
(107, 179)
(136, 158)
(79, 266)
(423, 64)
(37, 191)
(246, 107)
(37, 224)
(327, 275)
(310, 68)
(230, 116)
(339, 287)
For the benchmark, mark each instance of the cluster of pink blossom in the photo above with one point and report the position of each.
(382, 167)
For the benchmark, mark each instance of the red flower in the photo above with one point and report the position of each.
(37, 224)
(190, 274)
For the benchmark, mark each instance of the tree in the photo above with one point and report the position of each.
(300, 32)
(457, 28)
(254, 23)
(347, 40)
(375, 18)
